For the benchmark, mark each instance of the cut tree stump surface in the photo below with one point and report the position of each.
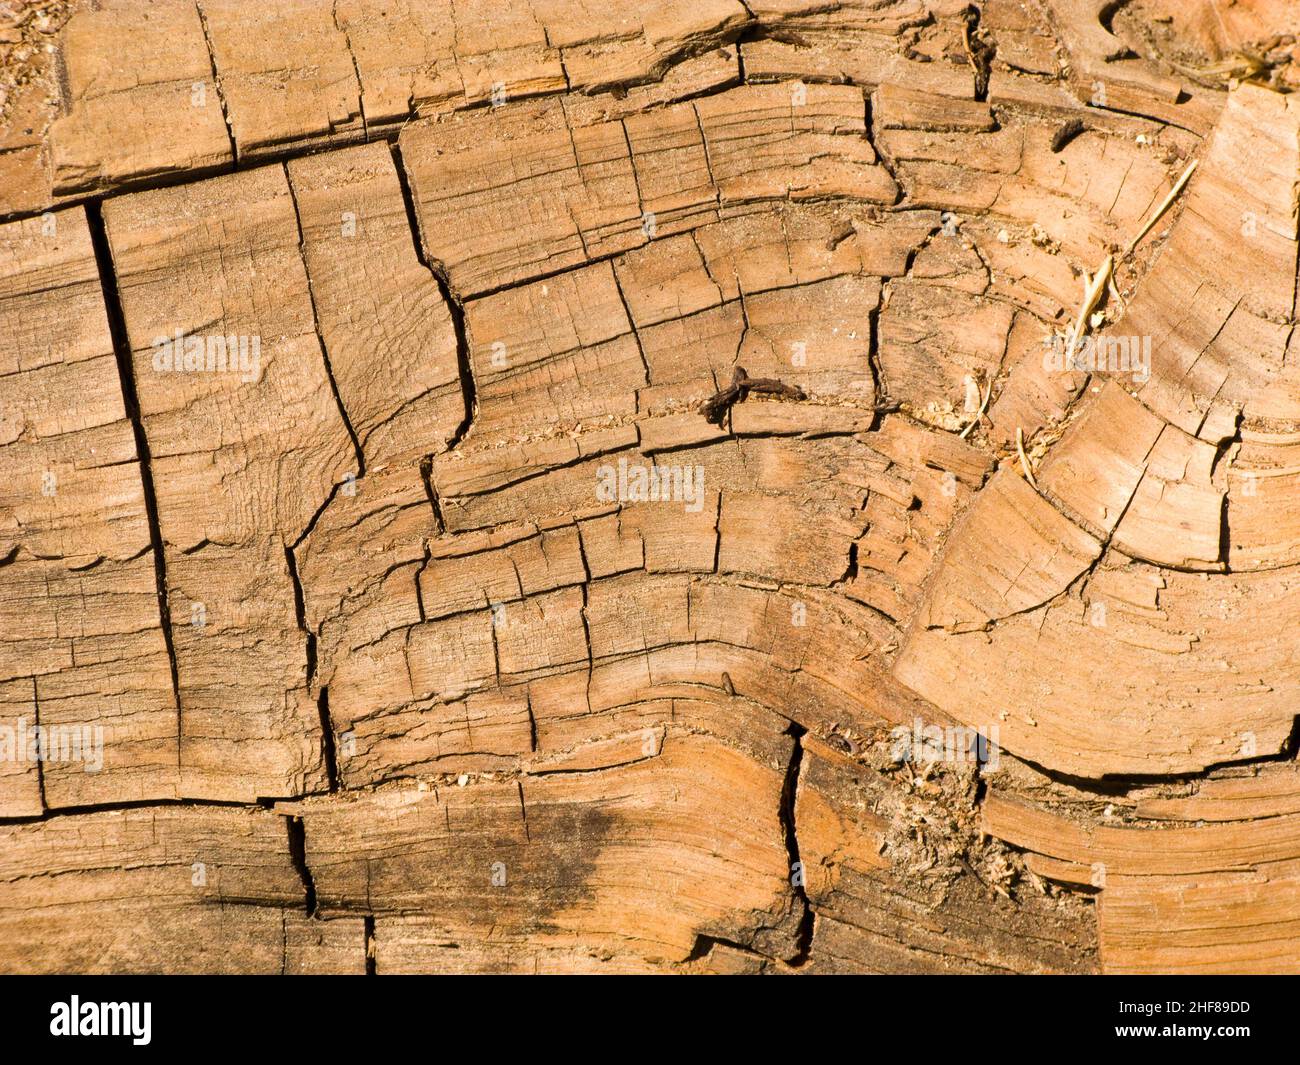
(514, 489)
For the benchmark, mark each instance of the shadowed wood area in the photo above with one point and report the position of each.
(765, 487)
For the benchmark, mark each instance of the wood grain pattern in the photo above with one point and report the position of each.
(598, 488)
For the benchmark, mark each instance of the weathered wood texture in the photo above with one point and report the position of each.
(375, 594)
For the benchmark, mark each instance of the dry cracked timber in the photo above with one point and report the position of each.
(339, 350)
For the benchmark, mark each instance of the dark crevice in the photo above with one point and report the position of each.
(1225, 535)
(356, 70)
(298, 855)
(909, 261)
(717, 535)
(880, 389)
(1120, 784)
(300, 610)
(851, 568)
(1221, 452)
(328, 753)
(368, 923)
(704, 945)
(789, 791)
(1292, 745)
(559, 54)
(756, 30)
(494, 609)
(888, 407)
(750, 32)
(980, 50)
(426, 476)
(131, 404)
(327, 738)
(1225, 445)
(311, 524)
(875, 137)
(216, 84)
(439, 272)
(523, 810)
(565, 464)
(586, 623)
(454, 305)
(1104, 536)
(419, 579)
(58, 812)
(1168, 118)
(631, 322)
(40, 762)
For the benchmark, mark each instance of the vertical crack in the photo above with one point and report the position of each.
(523, 811)
(40, 757)
(328, 752)
(1223, 451)
(356, 70)
(426, 476)
(631, 323)
(327, 737)
(875, 136)
(704, 143)
(559, 52)
(454, 304)
(980, 50)
(216, 84)
(496, 644)
(320, 337)
(369, 926)
(789, 791)
(419, 577)
(631, 162)
(877, 370)
(131, 403)
(586, 623)
(717, 539)
(298, 855)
